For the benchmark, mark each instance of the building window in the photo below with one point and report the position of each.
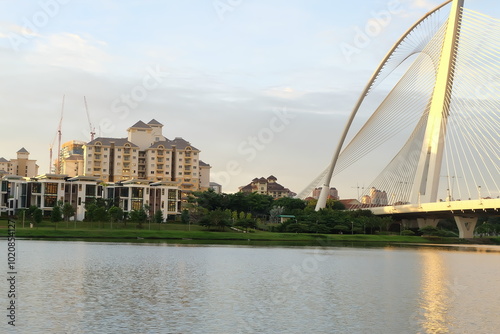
(119, 149)
(152, 172)
(105, 149)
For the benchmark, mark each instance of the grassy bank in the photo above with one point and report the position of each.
(194, 233)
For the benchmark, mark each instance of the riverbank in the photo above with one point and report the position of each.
(178, 233)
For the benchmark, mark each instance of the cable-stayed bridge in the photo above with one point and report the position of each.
(426, 126)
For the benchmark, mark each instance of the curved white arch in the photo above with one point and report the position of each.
(325, 188)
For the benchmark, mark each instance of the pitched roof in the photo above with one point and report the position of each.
(22, 150)
(154, 122)
(203, 164)
(109, 141)
(2, 159)
(178, 142)
(182, 144)
(141, 125)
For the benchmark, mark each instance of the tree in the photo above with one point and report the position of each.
(115, 214)
(139, 216)
(274, 214)
(158, 217)
(37, 215)
(56, 214)
(218, 218)
(185, 216)
(100, 214)
(68, 211)
(289, 204)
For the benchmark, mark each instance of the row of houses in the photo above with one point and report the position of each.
(45, 191)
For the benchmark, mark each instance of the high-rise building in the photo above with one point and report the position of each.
(22, 166)
(147, 155)
(71, 155)
(333, 193)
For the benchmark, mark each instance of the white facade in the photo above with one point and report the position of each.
(47, 190)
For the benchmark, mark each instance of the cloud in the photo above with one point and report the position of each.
(283, 92)
(70, 51)
(422, 4)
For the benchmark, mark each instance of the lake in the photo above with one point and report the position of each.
(91, 287)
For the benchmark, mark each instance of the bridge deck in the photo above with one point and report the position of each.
(470, 208)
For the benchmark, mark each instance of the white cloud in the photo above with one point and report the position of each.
(422, 4)
(284, 92)
(71, 51)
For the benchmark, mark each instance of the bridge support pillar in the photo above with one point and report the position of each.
(466, 226)
(422, 222)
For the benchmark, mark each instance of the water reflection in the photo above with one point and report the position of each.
(76, 287)
(434, 298)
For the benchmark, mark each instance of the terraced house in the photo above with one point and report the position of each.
(45, 191)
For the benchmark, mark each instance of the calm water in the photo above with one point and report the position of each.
(78, 287)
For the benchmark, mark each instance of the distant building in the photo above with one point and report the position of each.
(217, 188)
(333, 194)
(267, 186)
(21, 166)
(204, 176)
(376, 197)
(72, 160)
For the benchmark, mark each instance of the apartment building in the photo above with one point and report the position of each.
(21, 166)
(146, 154)
(332, 194)
(267, 186)
(72, 160)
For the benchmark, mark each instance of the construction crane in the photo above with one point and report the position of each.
(58, 135)
(92, 129)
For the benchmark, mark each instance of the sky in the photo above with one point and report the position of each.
(260, 87)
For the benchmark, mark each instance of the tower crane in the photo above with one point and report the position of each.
(92, 129)
(58, 135)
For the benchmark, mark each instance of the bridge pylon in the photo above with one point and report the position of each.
(426, 182)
